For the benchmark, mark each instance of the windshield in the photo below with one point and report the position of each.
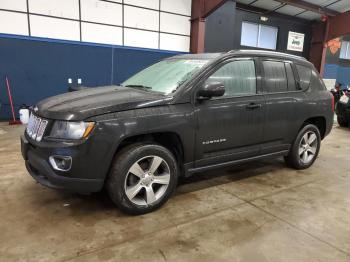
(165, 76)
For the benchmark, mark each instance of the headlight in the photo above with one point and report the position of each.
(71, 130)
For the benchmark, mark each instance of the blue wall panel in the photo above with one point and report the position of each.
(330, 71)
(38, 68)
(344, 75)
(340, 73)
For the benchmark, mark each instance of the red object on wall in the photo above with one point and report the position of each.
(13, 121)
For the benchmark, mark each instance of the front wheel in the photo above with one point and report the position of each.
(142, 178)
(305, 148)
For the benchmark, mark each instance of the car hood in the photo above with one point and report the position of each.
(80, 105)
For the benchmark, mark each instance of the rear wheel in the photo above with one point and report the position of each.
(343, 122)
(305, 148)
(142, 178)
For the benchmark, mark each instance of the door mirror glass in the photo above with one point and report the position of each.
(212, 89)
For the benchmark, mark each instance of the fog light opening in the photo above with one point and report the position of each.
(61, 163)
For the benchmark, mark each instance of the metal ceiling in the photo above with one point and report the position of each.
(306, 9)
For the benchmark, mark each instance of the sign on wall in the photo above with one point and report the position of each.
(334, 45)
(295, 41)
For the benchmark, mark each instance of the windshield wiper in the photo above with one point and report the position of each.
(140, 86)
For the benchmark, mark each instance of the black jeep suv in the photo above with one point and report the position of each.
(182, 115)
(342, 110)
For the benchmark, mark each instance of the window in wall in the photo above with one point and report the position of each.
(256, 35)
(345, 50)
(238, 77)
(275, 76)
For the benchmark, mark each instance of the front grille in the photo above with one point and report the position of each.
(36, 127)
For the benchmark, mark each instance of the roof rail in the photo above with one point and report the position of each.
(257, 51)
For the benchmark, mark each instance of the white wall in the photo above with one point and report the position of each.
(156, 24)
(18, 5)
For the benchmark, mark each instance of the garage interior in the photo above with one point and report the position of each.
(257, 211)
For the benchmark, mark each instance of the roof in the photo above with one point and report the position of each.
(204, 56)
(267, 53)
(252, 52)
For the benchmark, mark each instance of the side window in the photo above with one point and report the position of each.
(275, 76)
(238, 77)
(290, 76)
(304, 76)
(317, 82)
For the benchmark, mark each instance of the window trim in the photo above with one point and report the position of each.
(258, 36)
(293, 75)
(221, 64)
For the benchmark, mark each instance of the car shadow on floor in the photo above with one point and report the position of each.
(87, 204)
(226, 175)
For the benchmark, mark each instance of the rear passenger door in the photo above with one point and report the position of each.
(282, 96)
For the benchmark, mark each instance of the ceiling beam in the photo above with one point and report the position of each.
(310, 7)
(271, 13)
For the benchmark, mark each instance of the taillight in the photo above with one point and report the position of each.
(333, 103)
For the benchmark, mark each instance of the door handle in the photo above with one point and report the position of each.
(252, 106)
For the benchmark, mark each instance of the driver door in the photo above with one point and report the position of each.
(230, 127)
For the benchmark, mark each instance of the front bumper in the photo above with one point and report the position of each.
(39, 168)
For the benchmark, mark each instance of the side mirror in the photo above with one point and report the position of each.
(213, 89)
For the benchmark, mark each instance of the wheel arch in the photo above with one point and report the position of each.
(319, 121)
(170, 140)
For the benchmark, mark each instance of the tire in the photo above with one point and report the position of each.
(130, 187)
(342, 121)
(302, 145)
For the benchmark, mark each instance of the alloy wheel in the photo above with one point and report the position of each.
(308, 147)
(147, 180)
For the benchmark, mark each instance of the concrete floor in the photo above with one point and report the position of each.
(261, 211)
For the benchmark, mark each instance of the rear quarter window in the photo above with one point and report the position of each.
(304, 76)
(317, 82)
